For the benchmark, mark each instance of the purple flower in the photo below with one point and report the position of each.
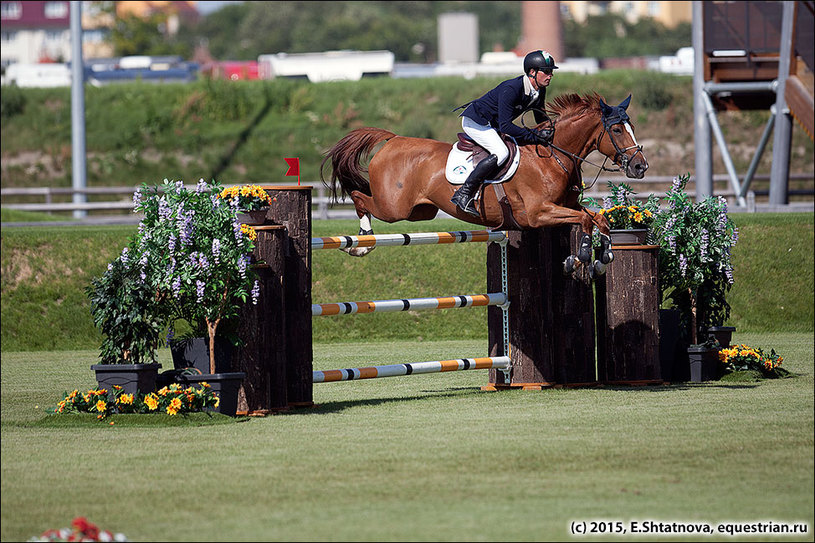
(170, 335)
(176, 286)
(125, 255)
(242, 267)
(672, 244)
(216, 250)
(676, 184)
(199, 290)
(136, 198)
(255, 292)
(704, 244)
(179, 186)
(683, 264)
(164, 211)
(735, 237)
(202, 185)
(185, 227)
(198, 259)
(171, 243)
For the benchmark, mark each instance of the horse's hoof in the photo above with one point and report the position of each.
(568, 265)
(599, 268)
(607, 257)
(357, 251)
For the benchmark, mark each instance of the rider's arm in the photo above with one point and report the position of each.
(507, 98)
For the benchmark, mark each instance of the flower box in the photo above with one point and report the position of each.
(224, 385)
(631, 236)
(131, 377)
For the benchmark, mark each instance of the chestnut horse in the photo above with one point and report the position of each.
(406, 176)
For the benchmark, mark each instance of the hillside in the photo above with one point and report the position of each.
(240, 132)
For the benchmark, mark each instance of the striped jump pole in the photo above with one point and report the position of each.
(500, 299)
(420, 238)
(396, 370)
(384, 306)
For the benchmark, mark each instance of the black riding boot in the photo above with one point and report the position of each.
(464, 197)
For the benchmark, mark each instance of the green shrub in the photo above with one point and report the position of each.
(12, 101)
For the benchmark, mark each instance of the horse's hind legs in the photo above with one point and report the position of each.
(365, 229)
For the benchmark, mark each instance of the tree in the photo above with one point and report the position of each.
(133, 35)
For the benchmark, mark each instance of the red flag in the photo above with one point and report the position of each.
(294, 166)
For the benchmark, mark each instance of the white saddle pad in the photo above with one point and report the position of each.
(460, 165)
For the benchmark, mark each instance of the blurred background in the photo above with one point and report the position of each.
(227, 90)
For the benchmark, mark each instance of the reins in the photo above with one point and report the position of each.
(624, 159)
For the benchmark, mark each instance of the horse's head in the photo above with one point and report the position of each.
(620, 142)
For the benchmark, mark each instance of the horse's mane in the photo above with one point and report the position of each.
(570, 105)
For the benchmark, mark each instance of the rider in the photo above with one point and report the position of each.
(495, 111)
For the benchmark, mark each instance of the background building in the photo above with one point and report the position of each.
(669, 14)
(39, 31)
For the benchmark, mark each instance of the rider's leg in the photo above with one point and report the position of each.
(489, 139)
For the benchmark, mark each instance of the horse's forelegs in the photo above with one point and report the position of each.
(554, 215)
(606, 254)
(365, 229)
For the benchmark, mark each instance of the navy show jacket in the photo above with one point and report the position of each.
(503, 104)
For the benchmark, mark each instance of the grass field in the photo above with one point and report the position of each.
(46, 271)
(422, 458)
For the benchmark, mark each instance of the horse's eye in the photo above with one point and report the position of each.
(618, 130)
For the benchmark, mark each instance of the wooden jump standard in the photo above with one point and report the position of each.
(547, 335)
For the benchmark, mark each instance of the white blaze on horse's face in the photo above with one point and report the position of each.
(631, 131)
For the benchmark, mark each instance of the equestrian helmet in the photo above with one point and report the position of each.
(539, 60)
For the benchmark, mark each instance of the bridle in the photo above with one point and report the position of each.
(618, 117)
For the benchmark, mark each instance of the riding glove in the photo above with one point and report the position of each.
(545, 135)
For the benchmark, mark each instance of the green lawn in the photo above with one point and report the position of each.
(420, 458)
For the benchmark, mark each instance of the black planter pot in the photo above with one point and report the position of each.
(722, 334)
(194, 353)
(704, 363)
(132, 378)
(668, 342)
(224, 385)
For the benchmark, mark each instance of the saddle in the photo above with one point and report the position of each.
(478, 153)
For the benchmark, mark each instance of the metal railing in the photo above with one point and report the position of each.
(322, 205)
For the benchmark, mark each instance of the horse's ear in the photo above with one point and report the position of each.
(624, 104)
(605, 108)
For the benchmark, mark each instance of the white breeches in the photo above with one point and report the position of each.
(487, 137)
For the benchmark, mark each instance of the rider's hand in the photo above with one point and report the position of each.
(545, 135)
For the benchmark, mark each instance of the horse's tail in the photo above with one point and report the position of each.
(346, 160)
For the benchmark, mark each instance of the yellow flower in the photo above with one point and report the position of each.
(638, 216)
(249, 232)
(175, 403)
(151, 401)
(101, 406)
(171, 410)
(126, 399)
